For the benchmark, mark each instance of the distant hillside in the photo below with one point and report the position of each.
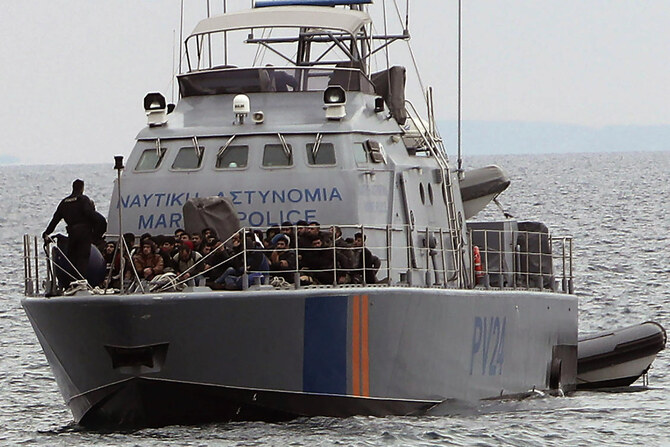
(500, 137)
(8, 159)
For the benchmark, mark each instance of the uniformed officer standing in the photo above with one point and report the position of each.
(79, 214)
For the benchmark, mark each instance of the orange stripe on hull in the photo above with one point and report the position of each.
(355, 347)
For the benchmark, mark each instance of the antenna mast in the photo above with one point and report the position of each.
(181, 32)
(460, 155)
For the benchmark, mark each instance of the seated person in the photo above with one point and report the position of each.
(287, 229)
(257, 265)
(208, 235)
(217, 260)
(366, 265)
(188, 267)
(198, 242)
(108, 253)
(316, 264)
(282, 259)
(270, 233)
(344, 255)
(167, 251)
(147, 262)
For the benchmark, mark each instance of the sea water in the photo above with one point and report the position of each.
(616, 207)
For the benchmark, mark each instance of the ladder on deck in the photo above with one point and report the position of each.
(455, 221)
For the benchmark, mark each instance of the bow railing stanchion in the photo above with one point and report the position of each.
(570, 283)
(36, 289)
(27, 280)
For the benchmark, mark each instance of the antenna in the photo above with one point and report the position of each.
(460, 155)
(209, 36)
(118, 165)
(407, 16)
(172, 78)
(225, 36)
(181, 32)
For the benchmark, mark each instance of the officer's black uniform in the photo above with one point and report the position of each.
(79, 214)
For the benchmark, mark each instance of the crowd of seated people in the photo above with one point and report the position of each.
(288, 253)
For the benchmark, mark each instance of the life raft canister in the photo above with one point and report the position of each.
(479, 272)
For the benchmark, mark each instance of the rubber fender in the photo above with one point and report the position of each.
(555, 373)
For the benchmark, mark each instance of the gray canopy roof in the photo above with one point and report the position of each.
(347, 20)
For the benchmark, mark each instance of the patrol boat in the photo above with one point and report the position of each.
(460, 311)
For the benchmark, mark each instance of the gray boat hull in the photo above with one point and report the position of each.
(148, 360)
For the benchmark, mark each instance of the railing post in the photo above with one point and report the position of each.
(36, 289)
(363, 254)
(445, 274)
(564, 279)
(26, 266)
(245, 274)
(296, 274)
(540, 257)
(570, 284)
(501, 254)
(487, 272)
(389, 240)
(426, 244)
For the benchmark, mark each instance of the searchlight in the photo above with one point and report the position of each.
(334, 99)
(155, 109)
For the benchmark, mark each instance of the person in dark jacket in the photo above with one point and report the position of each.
(282, 258)
(281, 80)
(257, 265)
(317, 264)
(366, 263)
(79, 214)
(167, 252)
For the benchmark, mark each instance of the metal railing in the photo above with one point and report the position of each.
(31, 282)
(509, 260)
(517, 259)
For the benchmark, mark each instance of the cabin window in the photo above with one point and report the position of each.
(233, 157)
(277, 155)
(361, 154)
(150, 159)
(188, 158)
(323, 155)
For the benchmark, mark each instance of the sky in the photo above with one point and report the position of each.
(74, 72)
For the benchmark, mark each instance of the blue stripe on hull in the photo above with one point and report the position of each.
(325, 345)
